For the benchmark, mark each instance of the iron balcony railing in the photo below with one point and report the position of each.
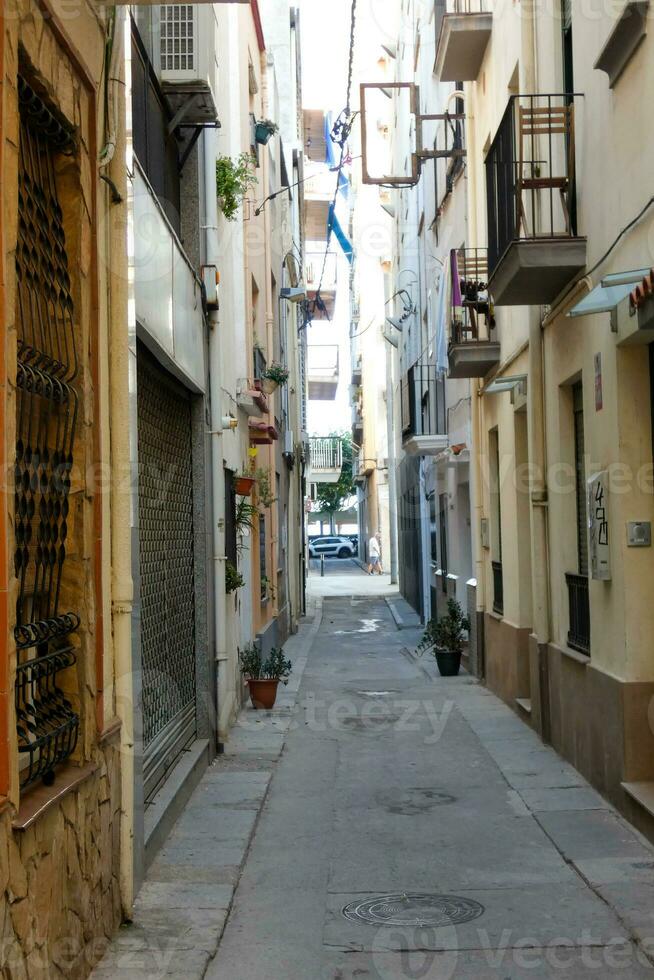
(472, 316)
(468, 6)
(498, 588)
(579, 633)
(424, 410)
(326, 454)
(530, 173)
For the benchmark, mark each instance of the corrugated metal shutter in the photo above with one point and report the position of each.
(167, 584)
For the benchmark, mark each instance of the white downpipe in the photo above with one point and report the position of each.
(217, 469)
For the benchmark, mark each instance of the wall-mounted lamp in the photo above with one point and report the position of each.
(293, 294)
(504, 384)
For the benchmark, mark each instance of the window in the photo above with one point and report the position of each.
(263, 568)
(231, 552)
(578, 594)
(47, 421)
(580, 479)
(177, 37)
(155, 151)
(496, 522)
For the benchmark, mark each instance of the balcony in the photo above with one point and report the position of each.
(323, 372)
(325, 460)
(464, 34)
(251, 398)
(534, 251)
(424, 425)
(357, 417)
(357, 368)
(498, 588)
(579, 605)
(472, 352)
(321, 271)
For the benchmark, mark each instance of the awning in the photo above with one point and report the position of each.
(609, 294)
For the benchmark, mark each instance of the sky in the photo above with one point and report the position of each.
(325, 27)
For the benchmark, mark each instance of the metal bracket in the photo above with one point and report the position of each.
(420, 154)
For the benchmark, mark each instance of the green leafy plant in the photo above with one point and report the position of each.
(234, 178)
(332, 496)
(271, 126)
(267, 589)
(246, 514)
(255, 668)
(264, 493)
(446, 633)
(233, 578)
(276, 372)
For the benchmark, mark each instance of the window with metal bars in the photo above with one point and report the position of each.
(177, 37)
(47, 403)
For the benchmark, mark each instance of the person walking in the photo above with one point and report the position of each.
(374, 555)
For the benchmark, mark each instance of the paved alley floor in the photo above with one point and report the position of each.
(345, 576)
(412, 827)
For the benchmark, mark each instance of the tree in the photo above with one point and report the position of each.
(332, 496)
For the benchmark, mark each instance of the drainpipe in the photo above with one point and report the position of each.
(392, 479)
(477, 507)
(211, 252)
(539, 517)
(122, 589)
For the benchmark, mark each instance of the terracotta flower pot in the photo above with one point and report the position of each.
(243, 485)
(263, 693)
(269, 386)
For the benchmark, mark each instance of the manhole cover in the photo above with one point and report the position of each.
(414, 910)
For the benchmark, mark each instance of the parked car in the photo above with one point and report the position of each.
(331, 547)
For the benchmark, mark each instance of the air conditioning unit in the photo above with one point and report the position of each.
(187, 61)
(289, 444)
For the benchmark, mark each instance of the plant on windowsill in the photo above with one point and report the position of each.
(264, 130)
(274, 376)
(445, 638)
(244, 484)
(233, 578)
(263, 676)
(234, 178)
(264, 493)
(267, 589)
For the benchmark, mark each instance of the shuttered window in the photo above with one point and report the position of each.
(580, 478)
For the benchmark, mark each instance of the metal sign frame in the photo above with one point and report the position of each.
(421, 154)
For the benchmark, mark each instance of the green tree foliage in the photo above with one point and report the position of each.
(332, 496)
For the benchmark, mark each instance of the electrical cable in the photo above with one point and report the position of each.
(620, 234)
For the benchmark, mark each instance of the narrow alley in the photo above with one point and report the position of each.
(386, 823)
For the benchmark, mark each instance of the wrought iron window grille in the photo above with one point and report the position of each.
(47, 409)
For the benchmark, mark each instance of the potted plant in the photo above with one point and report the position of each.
(265, 495)
(234, 178)
(274, 376)
(263, 676)
(264, 130)
(444, 637)
(244, 484)
(233, 578)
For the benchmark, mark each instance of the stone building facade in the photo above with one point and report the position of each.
(60, 739)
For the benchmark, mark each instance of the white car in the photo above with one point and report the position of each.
(331, 547)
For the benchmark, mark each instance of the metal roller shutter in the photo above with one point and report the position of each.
(167, 586)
